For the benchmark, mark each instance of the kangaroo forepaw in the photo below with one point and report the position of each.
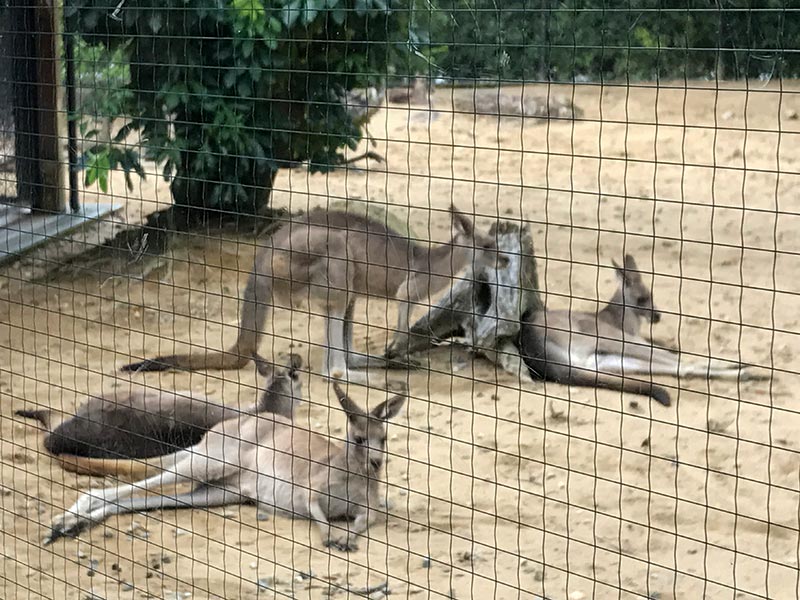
(162, 363)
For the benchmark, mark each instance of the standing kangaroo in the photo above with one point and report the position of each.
(605, 349)
(115, 434)
(330, 258)
(269, 460)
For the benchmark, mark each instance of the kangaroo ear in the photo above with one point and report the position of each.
(389, 409)
(349, 407)
(461, 221)
(620, 271)
(630, 263)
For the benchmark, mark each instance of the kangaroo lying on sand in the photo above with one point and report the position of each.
(268, 460)
(110, 435)
(419, 91)
(605, 349)
(330, 258)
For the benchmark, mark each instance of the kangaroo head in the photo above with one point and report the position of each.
(636, 296)
(366, 431)
(481, 248)
(283, 390)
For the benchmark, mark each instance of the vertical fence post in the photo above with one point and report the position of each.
(39, 119)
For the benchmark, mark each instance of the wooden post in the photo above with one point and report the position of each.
(485, 309)
(26, 126)
(52, 116)
(39, 117)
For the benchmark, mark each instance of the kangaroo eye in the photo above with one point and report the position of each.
(359, 440)
(642, 301)
(488, 246)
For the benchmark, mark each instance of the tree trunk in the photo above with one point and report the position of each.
(208, 197)
(486, 309)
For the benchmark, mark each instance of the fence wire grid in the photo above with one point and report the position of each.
(431, 299)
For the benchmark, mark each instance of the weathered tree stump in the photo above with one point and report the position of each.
(484, 309)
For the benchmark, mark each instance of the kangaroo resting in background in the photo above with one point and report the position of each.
(605, 349)
(111, 435)
(329, 258)
(269, 460)
(417, 92)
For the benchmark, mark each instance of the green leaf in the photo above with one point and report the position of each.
(171, 101)
(361, 7)
(338, 15)
(309, 14)
(272, 44)
(154, 21)
(291, 12)
(91, 172)
(103, 168)
(102, 181)
(244, 88)
(311, 10)
(229, 80)
(250, 10)
(182, 90)
(214, 198)
(257, 150)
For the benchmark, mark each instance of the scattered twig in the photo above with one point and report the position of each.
(369, 591)
(115, 14)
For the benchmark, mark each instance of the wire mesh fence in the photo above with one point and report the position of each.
(423, 299)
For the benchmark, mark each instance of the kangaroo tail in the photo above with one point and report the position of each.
(192, 362)
(255, 307)
(612, 381)
(130, 469)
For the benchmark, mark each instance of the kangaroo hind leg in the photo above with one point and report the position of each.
(253, 317)
(203, 496)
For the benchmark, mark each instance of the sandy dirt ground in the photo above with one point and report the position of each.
(499, 487)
